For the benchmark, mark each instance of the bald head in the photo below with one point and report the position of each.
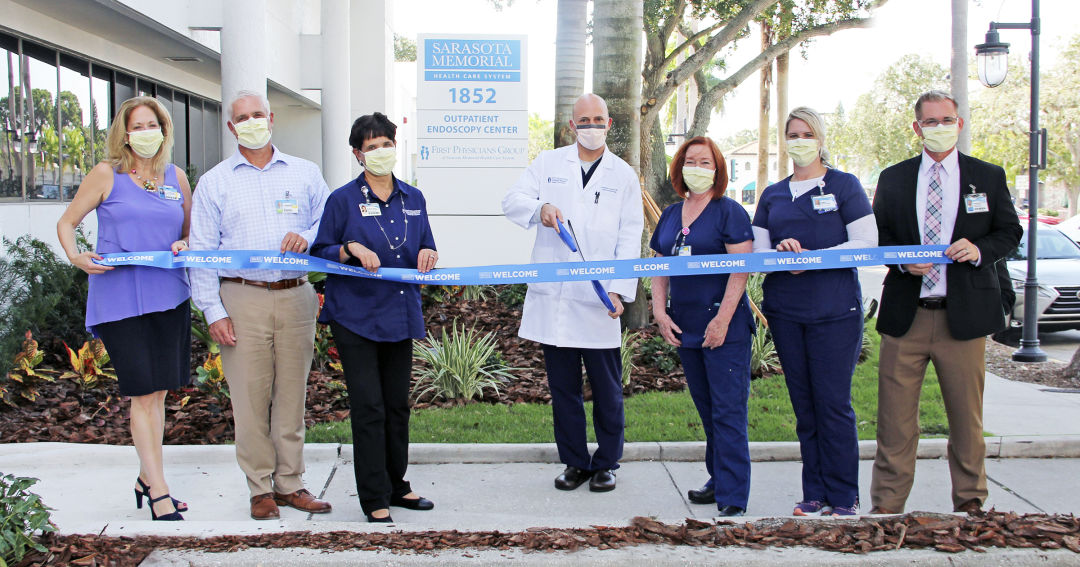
(590, 106)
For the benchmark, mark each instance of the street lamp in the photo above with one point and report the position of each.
(993, 66)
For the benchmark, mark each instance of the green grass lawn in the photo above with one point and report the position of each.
(656, 416)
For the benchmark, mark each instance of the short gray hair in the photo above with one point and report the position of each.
(816, 124)
(932, 96)
(245, 94)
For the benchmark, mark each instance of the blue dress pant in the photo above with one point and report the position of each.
(604, 367)
(818, 360)
(719, 382)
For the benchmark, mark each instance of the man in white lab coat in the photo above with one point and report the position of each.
(597, 197)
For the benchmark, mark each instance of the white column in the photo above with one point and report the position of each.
(336, 93)
(243, 57)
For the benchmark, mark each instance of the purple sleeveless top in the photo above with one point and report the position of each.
(135, 220)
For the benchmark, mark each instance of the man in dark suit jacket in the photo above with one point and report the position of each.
(938, 312)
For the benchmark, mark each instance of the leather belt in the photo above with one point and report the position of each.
(274, 286)
(932, 302)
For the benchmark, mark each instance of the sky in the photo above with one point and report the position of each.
(837, 69)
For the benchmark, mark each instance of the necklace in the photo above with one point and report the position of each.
(148, 184)
(405, 217)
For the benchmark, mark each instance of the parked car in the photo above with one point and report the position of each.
(1058, 274)
(1071, 228)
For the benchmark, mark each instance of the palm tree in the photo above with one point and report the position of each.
(570, 37)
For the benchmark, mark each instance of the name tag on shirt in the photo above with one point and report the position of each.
(169, 194)
(287, 207)
(609, 189)
(370, 210)
(684, 251)
(412, 212)
(976, 203)
(824, 203)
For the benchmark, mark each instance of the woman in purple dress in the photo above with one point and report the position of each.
(141, 314)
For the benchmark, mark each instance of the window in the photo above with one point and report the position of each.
(55, 112)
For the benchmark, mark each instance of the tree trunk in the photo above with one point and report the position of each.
(570, 39)
(781, 115)
(763, 117)
(1072, 371)
(617, 36)
(958, 70)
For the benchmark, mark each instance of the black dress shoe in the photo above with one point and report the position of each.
(418, 503)
(703, 495)
(373, 520)
(602, 481)
(730, 511)
(572, 478)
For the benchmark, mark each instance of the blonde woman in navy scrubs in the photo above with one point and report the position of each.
(815, 316)
(708, 317)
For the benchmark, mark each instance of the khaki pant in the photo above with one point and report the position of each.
(961, 369)
(267, 373)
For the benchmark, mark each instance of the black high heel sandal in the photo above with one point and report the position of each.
(180, 506)
(170, 517)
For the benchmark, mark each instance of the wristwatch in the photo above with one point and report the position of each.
(345, 247)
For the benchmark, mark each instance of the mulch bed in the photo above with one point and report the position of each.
(63, 413)
(945, 533)
(1051, 374)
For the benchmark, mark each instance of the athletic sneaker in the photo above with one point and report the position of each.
(811, 508)
(852, 510)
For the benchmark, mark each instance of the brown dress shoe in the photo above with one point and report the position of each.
(303, 500)
(263, 507)
(972, 507)
(880, 510)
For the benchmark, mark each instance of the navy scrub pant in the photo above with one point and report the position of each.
(604, 367)
(719, 382)
(818, 360)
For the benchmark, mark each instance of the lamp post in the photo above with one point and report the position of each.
(993, 66)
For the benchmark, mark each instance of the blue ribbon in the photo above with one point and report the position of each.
(547, 272)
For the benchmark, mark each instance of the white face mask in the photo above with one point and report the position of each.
(803, 151)
(698, 179)
(380, 162)
(253, 133)
(590, 137)
(145, 143)
(941, 138)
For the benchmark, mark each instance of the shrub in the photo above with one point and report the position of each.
(655, 352)
(41, 292)
(88, 365)
(22, 515)
(22, 381)
(460, 365)
(201, 331)
(763, 358)
(512, 295)
(626, 351)
(211, 380)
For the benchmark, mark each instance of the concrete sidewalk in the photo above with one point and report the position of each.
(1034, 461)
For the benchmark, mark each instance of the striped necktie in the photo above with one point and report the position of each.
(932, 223)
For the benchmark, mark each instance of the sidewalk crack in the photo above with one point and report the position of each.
(1014, 493)
(329, 479)
(671, 477)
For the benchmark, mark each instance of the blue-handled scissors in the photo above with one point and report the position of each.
(571, 242)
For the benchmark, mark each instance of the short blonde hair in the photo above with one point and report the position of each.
(932, 96)
(120, 154)
(816, 124)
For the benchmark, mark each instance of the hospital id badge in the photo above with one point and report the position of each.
(287, 207)
(684, 250)
(370, 210)
(824, 203)
(976, 203)
(169, 194)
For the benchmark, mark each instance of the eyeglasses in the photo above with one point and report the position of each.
(934, 122)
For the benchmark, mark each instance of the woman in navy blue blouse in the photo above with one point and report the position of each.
(377, 220)
(708, 317)
(815, 316)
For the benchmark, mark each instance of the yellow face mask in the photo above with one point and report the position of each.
(145, 143)
(253, 133)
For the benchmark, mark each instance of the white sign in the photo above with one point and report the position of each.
(472, 130)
